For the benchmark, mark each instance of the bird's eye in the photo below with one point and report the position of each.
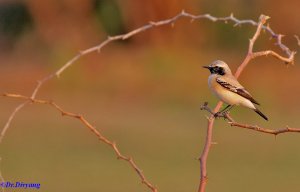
(216, 69)
(220, 71)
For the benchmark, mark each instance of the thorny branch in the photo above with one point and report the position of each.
(250, 55)
(87, 124)
(298, 40)
(236, 22)
(233, 123)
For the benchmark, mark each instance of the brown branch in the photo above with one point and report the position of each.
(250, 55)
(11, 117)
(233, 123)
(276, 55)
(87, 124)
(298, 40)
(265, 130)
(262, 20)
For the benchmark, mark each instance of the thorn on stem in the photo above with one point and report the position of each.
(237, 24)
(263, 18)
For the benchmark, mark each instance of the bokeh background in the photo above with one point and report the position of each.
(144, 93)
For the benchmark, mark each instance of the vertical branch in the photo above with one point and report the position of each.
(262, 21)
(204, 155)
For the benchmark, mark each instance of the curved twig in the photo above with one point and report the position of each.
(87, 124)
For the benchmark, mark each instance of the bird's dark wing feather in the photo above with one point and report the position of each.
(240, 91)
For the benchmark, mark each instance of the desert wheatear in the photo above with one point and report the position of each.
(226, 87)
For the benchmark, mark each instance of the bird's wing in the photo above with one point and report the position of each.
(234, 86)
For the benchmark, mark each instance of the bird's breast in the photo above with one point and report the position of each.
(225, 95)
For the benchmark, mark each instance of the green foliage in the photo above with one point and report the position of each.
(109, 14)
(14, 19)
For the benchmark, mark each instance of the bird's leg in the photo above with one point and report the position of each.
(223, 111)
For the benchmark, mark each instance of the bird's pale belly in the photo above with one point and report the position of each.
(227, 96)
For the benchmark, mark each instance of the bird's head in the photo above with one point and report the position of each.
(218, 67)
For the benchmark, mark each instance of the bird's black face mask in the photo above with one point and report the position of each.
(216, 70)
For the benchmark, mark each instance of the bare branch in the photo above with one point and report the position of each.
(11, 117)
(231, 122)
(262, 20)
(265, 130)
(298, 40)
(88, 125)
(284, 47)
(276, 55)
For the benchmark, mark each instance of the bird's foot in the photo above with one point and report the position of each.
(221, 114)
(217, 114)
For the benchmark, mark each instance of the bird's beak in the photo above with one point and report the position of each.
(206, 67)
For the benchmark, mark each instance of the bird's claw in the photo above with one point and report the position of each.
(220, 114)
(217, 114)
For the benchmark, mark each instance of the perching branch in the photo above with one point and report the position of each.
(287, 129)
(236, 22)
(250, 55)
(233, 123)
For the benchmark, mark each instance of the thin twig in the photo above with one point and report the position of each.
(298, 40)
(265, 130)
(276, 55)
(87, 124)
(11, 117)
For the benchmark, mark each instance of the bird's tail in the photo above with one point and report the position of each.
(261, 114)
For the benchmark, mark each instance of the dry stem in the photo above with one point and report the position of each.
(87, 124)
(265, 130)
(233, 123)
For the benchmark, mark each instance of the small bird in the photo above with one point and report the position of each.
(226, 87)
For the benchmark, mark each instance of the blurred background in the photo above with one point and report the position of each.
(144, 93)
